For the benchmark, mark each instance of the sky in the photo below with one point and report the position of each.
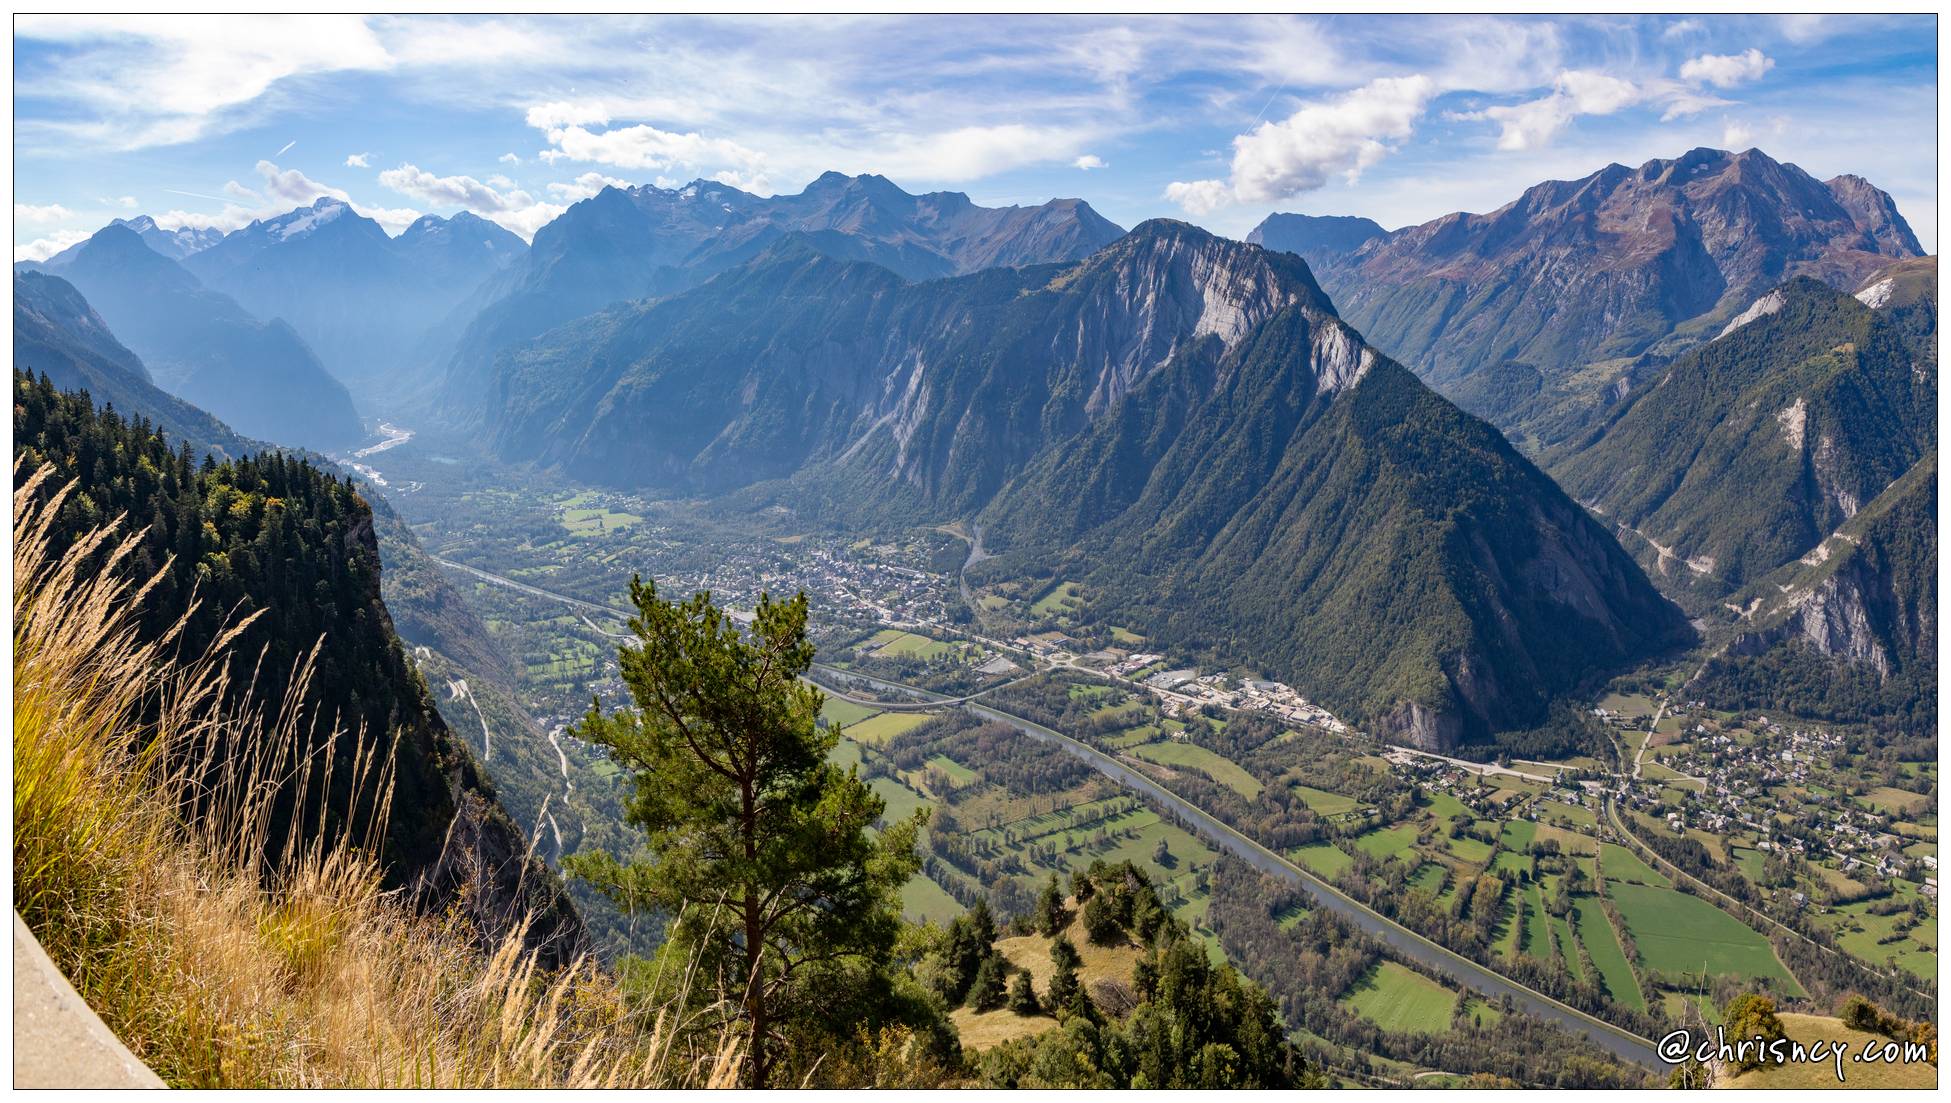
(1219, 120)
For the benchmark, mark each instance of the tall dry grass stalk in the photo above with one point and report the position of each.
(223, 957)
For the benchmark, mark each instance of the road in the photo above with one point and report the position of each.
(532, 591)
(1620, 1043)
(1394, 750)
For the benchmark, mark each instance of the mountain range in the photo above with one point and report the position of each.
(358, 297)
(259, 377)
(1537, 313)
(1186, 408)
(633, 243)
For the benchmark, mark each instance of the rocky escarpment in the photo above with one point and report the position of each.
(1577, 278)
(1180, 421)
(1850, 631)
(1740, 456)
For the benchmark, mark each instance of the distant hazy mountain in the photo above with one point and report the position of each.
(1318, 239)
(1179, 420)
(174, 244)
(1556, 293)
(57, 334)
(626, 244)
(1743, 454)
(259, 377)
(361, 299)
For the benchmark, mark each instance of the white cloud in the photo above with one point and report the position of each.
(509, 159)
(1199, 196)
(1681, 27)
(1534, 123)
(46, 212)
(1727, 70)
(1329, 139)
(564, 113)
(164, 79)
(585, 186)
(501, 182)
(647, 147)
(515, 209)
(358, 161)
(239, 192)
(291, 187)
(1739, 135)
(127, 202)
(43, 248)
(1088, 162)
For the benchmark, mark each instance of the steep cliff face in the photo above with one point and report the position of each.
(937, 391)
(1849, 631)
(1180, 420)
(1577, 278)
(1740, 456)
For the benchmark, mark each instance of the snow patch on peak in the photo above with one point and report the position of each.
(1877, 295)
(1764, 306)
(302, 221)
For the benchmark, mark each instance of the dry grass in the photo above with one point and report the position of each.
(1809, 1029)
(142, 811)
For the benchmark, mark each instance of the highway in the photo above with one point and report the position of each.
(1614, 1040)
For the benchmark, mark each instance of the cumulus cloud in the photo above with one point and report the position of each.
(358, 161)
(45, 212)
(1088, 162)
(509, 159)
(648, 148)
(293, 188)
(514, 209)
(1727, 70)
(1534, 123)
(1321, 141)
(1199, 196)
(585, 186)
(43, 248)
(1681, 27)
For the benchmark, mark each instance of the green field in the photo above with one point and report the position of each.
(1607, 957)
(1537, 937)
(838, 713)
(592, 522)
(1621, 864)
(1218, 767)
(881, 727)
(958, 773)
(901, 800)
(908, 645)
(1680, 934)
(1323, 802)
(1325, 859)
(1395, 997)
(1059, 599)
(1561, 933)
(1389, 842)
(1518, 835)
(1429, 877)
(922, 899)
(1470, 850)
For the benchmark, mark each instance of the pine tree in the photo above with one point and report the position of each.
(1022, 994)
(988, 991)
(1051, 915)
(757, 843)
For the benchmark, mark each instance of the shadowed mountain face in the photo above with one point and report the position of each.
(1184, 407)
(1742, 455)
(626, 244)
(1554, 295)
(259, 377)
(361, 299)
(57, 334)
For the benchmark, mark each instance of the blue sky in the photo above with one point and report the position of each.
(1220, 120)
